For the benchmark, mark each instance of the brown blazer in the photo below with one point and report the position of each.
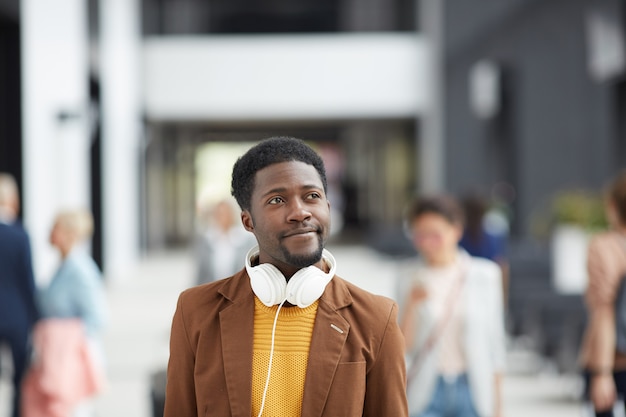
(360, 372)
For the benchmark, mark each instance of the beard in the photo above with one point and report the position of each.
(302, 260)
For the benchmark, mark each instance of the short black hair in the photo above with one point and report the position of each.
(442, 204)
(268, 152)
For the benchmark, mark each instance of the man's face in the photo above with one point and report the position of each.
(289, 215)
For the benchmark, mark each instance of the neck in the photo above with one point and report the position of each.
(327, 263)
(65, 251)
(442, 260)
(7, 215)
(288, 271)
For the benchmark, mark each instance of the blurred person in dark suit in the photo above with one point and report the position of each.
(18, 311)
(485, 235)
(479, 237)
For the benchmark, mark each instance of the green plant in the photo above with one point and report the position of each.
(580, 207)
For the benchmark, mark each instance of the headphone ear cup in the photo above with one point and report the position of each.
(268, 284)
(306, 286)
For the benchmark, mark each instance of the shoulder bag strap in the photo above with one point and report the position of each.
(437, 330)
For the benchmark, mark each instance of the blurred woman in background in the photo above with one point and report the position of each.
(69, 362)
(452, 319)
(606, 266)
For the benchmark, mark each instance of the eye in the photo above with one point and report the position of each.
(314, 196)
(275, 200)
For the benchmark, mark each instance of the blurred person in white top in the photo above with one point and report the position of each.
(222, 243)
(452, 318)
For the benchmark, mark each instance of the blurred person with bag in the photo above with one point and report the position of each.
(18, 311)
(603, 362)
(68, 367)
(452, 319)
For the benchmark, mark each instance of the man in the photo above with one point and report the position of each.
(17, 286)
(234, 352)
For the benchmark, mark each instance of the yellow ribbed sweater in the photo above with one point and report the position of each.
(289, 363)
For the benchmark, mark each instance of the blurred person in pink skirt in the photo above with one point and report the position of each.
(68, 367)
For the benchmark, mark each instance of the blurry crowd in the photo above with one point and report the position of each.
(53, 331)
(452, 300)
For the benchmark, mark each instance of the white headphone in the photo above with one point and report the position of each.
(303, 288)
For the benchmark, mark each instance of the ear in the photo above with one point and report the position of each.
(246, 220)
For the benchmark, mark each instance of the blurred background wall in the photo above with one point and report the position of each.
(119, 104)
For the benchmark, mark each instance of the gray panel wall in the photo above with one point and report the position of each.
(557, 128)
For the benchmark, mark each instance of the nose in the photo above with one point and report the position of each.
(298, 211)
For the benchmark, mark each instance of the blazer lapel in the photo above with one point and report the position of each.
(237, 326)
(329, 337)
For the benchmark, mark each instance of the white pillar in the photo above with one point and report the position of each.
(120, 54)
(431, 152)
(54, 118)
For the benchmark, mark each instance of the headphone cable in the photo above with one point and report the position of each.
(269, 366)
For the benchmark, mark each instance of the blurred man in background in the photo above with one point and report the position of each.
(17, 285)
(222, 244)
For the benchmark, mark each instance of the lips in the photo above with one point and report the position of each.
(299, 232)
